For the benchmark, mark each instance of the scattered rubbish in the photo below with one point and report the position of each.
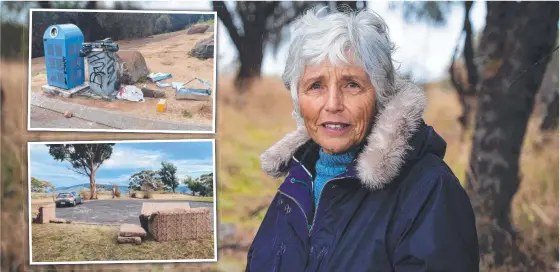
(177, 85)
(161, 105)
(131, 93)
(193, 93)
(158, 76)
(204, 82)
(163, 85)
(67, 114)
(152, 93)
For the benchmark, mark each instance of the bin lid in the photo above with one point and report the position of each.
(63, 31)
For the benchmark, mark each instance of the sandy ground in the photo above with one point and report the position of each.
(163, 53)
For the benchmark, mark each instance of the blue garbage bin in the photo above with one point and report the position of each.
(65, 66)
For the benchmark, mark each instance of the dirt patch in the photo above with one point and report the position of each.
(163, 53)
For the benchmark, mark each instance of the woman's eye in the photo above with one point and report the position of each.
(315, 86)
(352, 85)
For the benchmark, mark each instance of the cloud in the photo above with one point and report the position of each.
(192, 167)
(120, 180)
(131, 158)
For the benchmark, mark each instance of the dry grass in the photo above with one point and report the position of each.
(74, 242)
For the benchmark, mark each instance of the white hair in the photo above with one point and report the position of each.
(317, 37)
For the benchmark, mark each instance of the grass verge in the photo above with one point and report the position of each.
(76, 242)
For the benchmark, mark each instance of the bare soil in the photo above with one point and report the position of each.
(163, 53)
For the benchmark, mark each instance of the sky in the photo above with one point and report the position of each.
(191, 159)
(424, 51)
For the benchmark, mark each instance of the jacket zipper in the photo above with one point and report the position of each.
(319, 203)
(297, 203)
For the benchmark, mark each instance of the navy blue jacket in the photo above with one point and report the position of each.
(398, 207)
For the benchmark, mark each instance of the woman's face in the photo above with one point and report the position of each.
(337, 104)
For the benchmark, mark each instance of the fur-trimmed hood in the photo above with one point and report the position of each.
(386, 146)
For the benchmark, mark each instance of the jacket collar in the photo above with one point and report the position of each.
(384, 151)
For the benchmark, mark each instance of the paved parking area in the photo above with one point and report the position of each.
(115, 211)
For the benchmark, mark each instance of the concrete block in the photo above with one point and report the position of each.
(63, 92)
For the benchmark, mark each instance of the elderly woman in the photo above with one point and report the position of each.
(366, 188)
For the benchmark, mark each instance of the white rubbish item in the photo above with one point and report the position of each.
(162, 85)
(177, 85)
(131, 93)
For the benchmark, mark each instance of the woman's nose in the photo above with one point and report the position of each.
(334, 101)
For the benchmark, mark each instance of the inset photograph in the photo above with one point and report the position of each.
(122, 202)
(122, 71)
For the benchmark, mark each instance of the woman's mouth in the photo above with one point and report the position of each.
(335, 128)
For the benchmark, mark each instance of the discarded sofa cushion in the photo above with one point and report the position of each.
(203, 49)
(149, 208)
(129, 240)
(131, 67)
(179, 224)
(197, 29)
(131, 230)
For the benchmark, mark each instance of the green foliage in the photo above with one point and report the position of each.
(145, 180)
(163, 23)
(142, 79)
(207, 22)
(168, 175)
(84, 158)
(203, 186)
(187, 114)
(40, 186)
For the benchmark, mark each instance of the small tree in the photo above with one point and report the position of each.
(144, 180)
(189, 181)
(163, 23)
(40, 185)
(204, 185)
(168, 175)
(208, 181)
(84, 158)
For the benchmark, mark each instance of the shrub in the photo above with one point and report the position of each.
(187, 114)
(84, 194)
(133, 195)
(117, 194)
(148, 195)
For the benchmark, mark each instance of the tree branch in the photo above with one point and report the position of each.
(225, 17)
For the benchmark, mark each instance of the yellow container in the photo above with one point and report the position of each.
(161, 105)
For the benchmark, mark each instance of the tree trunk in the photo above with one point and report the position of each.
(250, 58)
(516, 36)
(92, 186)
(466, 97)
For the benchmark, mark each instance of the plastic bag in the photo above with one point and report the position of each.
(131, 93)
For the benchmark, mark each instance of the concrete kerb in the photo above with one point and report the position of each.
(109, 118)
